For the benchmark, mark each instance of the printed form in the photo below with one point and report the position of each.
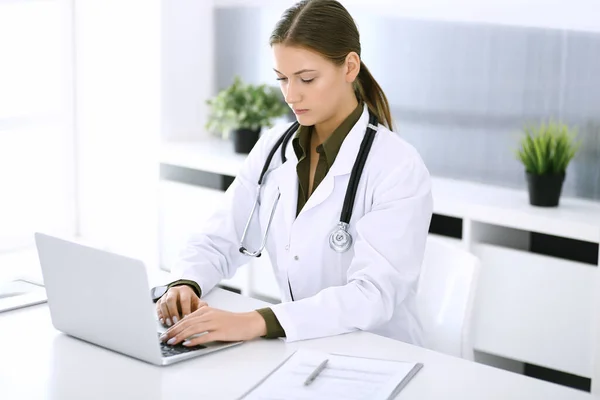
(343, 377)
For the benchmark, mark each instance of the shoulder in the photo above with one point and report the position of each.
(397, 164)
(390, 151)
(388, 142)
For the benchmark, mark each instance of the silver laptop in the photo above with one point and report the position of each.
(104, 298)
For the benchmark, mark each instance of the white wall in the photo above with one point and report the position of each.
(36, 122)
(118, 123)
(576, 14)
(563, 14)
(187, 67)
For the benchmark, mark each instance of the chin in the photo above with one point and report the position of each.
(305, 120)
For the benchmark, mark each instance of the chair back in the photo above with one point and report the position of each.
(446, 295)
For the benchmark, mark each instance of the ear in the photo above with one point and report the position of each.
(352, 66)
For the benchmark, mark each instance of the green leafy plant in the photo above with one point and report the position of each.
(547, 148)
(245, 106)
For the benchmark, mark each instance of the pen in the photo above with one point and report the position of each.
(315, 373)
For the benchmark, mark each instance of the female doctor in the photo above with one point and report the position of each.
(344, 204)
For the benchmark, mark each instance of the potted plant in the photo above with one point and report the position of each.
(242, 110)
(546, 151)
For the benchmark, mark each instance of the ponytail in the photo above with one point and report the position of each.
(369, 91)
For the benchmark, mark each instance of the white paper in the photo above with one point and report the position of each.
(348, 378)
(19, 293)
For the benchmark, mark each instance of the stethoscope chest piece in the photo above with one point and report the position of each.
(340, 239)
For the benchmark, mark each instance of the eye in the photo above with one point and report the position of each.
(282, 79)
(308, 80)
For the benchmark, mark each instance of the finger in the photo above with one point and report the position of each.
(175, 329)
(165, 312)
(202, 309)
(197, 303)
(185, 323)
(200, 315)
(182, 324)
(200, 305)
(194, 329)
(172, 299)
(159, 313)
(206, 338)
(185, 301)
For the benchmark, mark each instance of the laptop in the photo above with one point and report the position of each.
(104, 298)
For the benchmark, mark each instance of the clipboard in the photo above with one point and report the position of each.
(347, 377)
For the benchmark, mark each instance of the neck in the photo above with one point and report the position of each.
(325, 128)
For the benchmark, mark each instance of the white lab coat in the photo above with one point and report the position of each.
(372, 286)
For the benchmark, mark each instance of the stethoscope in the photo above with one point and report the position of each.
(340, 240)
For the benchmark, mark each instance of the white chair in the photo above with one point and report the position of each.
(445, 297)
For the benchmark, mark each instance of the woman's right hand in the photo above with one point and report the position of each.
(177, 303)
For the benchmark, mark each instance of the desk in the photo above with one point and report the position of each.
(38, 362)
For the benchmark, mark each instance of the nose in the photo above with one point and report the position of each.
(292, 93)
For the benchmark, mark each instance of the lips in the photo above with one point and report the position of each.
(299, 111)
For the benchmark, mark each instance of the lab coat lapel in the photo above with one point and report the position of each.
(343, 163)
(286, 179)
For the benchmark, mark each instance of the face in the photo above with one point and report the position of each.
(313, 86)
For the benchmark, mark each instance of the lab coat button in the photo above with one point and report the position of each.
(296, 258)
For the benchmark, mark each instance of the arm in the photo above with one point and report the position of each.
(385, 267)
(272, 325)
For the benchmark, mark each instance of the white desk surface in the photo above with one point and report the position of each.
(38, 362)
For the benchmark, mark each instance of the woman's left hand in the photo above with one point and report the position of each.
(220, 326)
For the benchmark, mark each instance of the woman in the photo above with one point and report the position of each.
(371, 286)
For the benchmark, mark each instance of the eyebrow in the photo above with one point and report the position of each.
(297, 72)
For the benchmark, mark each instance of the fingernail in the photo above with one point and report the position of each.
(185, 316)
(174, 320)
(171, 341)
(162, 338)
(187, 343)
(162, 321)
(169, 322)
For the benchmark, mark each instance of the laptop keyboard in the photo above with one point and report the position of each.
(169, 351)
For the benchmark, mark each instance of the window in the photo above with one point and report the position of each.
(37, 175)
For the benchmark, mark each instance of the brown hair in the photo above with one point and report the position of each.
(326, 27)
